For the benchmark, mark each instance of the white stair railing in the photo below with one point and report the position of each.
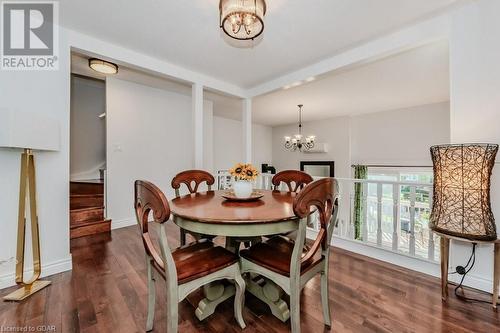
(396, 216)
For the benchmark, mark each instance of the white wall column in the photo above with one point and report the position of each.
(475, 82)
(247, 130)
(197, 108)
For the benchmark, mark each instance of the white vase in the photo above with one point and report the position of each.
(242, 189)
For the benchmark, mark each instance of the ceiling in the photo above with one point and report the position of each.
(415, 77)
(224, 105)
(298, 32)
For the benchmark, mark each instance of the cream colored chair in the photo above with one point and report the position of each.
(289, 263)
(184, 269)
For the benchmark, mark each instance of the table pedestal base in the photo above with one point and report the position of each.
(215, 293)
(269, 293)
(262, 288)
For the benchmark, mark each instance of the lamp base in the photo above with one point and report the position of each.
(26, 291)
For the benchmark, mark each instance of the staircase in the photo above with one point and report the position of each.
(87, 208)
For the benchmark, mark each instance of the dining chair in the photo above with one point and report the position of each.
(294, 179)
(184, 269)
(289, 263)
(192, 179)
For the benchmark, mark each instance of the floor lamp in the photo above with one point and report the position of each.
(29, 132)
(461, 207)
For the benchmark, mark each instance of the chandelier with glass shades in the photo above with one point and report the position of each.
(242, 19)
(298, 142)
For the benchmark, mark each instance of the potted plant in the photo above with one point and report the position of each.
(244, 175)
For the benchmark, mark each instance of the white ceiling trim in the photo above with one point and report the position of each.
(105, 50)
(420, 34)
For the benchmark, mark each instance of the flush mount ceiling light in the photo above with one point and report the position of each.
(104, 67)
(242, 19)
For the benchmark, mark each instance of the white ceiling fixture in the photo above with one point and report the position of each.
(242, 19)
(294, 32)
(103, 67)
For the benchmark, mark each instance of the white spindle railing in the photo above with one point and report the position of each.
(389, 220)
(396, 225)
(379, 214)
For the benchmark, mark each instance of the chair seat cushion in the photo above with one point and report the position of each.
(275, 254)
(200, 259)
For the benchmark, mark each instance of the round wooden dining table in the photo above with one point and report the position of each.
(209, 213)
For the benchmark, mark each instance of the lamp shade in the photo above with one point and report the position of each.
(461, 199)
(28, 130)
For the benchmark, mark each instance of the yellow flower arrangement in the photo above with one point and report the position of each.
(242, 171)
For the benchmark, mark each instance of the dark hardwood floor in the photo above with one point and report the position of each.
(106, 292)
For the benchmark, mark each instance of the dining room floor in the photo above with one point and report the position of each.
(106, 292)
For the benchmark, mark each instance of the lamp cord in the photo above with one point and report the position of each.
(463, 270)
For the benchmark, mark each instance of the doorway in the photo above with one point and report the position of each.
(88, 157)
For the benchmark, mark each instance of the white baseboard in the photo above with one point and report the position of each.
(9, 280)
(415, 264)
(473, 281)
(117, 224)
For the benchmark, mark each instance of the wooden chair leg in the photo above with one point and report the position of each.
(445, 254)
(151, 297)
(239, 299)
(496, 273)
(325, 301)
(295, 307)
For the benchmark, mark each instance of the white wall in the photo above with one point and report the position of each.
(475, 107)
(262, 145)
(400, 137)
(88, 131)
(228, 143)
(44, 92)
(149, 137)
